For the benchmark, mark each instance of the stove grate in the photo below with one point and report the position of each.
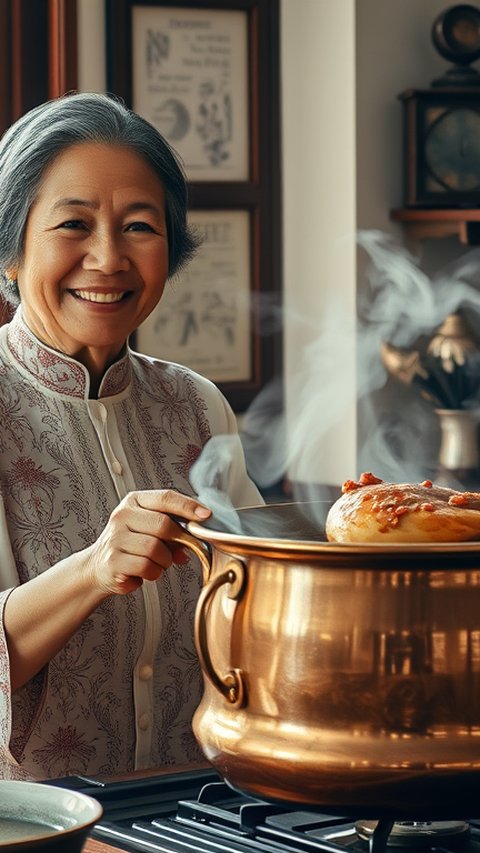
(219, 821)
(175, 837)
(197, 812)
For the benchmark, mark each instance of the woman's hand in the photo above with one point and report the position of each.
(41, 615)
(136, 544)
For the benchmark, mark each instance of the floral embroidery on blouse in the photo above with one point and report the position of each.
(59, 482)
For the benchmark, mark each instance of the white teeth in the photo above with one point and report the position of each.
(91, 296)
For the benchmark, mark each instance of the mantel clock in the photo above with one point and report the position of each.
(442, 124)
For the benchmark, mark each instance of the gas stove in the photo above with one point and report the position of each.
(195, 811)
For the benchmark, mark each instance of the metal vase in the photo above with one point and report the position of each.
(458, 459)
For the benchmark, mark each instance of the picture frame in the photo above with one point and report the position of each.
(244, 36)
(190, 80)
(204, 317)
(38, 54)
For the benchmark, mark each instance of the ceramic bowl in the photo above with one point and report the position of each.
(41, 817)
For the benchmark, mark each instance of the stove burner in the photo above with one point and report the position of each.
(195, 811)
(412, 834)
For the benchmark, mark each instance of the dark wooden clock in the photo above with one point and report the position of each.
(442, 124)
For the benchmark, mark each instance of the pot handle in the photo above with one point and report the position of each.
(232, 684)
(183, 537)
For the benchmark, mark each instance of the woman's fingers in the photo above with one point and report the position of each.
(171, 502)
(137, 543)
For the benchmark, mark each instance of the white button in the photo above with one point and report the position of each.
(146, 672)
(117, 468)
(143, 722)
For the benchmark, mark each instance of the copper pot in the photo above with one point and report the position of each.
(336, 676)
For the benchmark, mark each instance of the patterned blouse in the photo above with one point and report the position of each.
(121, 694)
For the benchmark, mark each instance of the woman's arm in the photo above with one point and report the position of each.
(42, 614)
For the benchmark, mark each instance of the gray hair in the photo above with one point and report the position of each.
(32, 143)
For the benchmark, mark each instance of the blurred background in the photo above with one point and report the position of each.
(349, 360)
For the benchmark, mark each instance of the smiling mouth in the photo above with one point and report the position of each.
(93, 296)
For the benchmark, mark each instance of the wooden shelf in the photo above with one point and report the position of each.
(461, 223)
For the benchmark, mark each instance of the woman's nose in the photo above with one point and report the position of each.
(106, 253)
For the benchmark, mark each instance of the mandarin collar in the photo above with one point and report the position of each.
(59, 373)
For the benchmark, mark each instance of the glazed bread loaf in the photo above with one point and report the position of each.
(373, 511)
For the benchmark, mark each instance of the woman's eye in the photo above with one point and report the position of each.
(72, 224)
(139, 226)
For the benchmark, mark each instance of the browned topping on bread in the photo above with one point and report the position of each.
(365, 479)
(405, 512)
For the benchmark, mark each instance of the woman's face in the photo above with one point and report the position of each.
(95, 257)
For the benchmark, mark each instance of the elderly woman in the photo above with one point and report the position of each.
(98, 668)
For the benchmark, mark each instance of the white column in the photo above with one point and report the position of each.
(91, 46)
(319, 199)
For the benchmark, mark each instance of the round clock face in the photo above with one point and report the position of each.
(452, 150)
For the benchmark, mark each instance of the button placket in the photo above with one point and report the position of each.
(143, 678)
(143, 672)
(100, 415)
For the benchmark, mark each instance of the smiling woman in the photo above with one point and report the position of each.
(98, 672)
(95, 255)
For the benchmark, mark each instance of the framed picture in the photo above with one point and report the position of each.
(202, 71)
(204, 319)
(190, 80)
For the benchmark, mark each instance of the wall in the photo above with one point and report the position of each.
(343, 63)
(91, 46)
(398, 431)
(318, 106)
(394, 52)
(343, 66)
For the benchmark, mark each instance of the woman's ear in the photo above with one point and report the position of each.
(11, 274)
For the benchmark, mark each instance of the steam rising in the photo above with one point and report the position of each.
(398, 428)
(209, 479)
(399, 304)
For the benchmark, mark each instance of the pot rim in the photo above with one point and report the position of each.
(242, 543)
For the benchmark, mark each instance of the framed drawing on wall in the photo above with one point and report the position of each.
(190, 80)
(204, 317)
(202, 72)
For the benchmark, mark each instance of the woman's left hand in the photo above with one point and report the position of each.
(137, 542)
